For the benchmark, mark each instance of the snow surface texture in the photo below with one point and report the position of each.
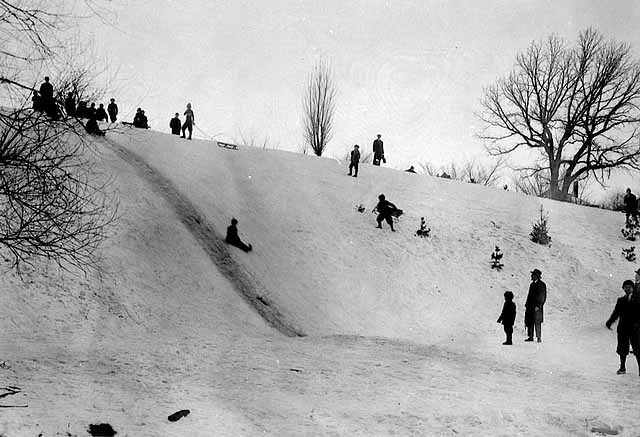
(330, 326)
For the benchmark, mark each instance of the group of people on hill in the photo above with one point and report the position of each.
(177, 126)
(378, 155)
(43, 100)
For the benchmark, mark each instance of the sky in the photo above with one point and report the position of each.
(412, 71)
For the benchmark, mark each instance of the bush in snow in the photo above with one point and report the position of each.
(540, 232)
(423, 231)
(630, 231)
(496, 258)
(629, 253)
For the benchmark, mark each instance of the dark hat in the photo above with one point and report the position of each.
(536, 272)
(234, 221)
(628, 282)
(508, 294)
(357, 146)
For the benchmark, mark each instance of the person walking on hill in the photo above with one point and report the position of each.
(631, 206)
(378, 151)
(233, 238)
(623, 313)
(189, 121)
(175, 124)
(533, 315)
(112, 109)
(385, 210)
(355, 160)
(508, 317)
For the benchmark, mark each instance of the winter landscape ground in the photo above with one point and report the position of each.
(330, 326)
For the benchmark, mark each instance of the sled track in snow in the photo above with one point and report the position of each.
(212, 243)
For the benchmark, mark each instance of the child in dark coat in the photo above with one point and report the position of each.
(508, 316)
(233, 238)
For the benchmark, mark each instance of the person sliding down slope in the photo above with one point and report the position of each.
(233, 238)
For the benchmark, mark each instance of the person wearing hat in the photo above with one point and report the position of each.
(189, 121)
(508, 316)
(355, 160)
(623, 312)
(384, 208)
(533, 313)
(112, 109)
(378, 151)
(175, 124)
(233, 238)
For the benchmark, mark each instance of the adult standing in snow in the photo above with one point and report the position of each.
(533, 315)
(189, 121)
(631, 206)
(70, 105)
(355, 160)
(378, 151)
(101, 114)
(384, 209)
(112, 109)
(175, 124)
(233, 238)
(623, 313)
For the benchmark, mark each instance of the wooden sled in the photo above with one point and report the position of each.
(227, 145)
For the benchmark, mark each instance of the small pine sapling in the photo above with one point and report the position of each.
(540, 232)
(629, 253)
(496, 258)
(630, 231)
(360, 208)
(423, 231)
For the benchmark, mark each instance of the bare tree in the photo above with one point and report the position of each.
(483, 174)
(52, 203)
(532, 184)
(428, 168)
(578, 108)
(319, 107)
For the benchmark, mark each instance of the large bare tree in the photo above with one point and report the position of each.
(576, 107)
(319, 107)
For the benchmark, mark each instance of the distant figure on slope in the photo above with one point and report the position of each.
(410, 170)
(112, 109)
(533, 315)
(623, 313)
(93, 128)
(189, 121)
(93, 112)
(37, 101)
(175, 124)
(140, 120)
(385, 210)
(233, 238)
(378, 151)
(82, 111)
(355, 160)
(631, 206)
(101, 114)
(508, 316)
(47, 103)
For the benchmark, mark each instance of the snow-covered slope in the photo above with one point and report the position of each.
(400, 332)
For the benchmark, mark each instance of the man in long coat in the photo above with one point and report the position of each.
(378, 151)
(533, 315)
(623, 312)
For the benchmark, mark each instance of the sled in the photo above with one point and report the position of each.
(227, 145)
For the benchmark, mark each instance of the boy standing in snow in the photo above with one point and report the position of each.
(508, 316)
(384, 209)
(189, 121)
(623, 312)
(175, 124)
(112, 109)
(355, 160)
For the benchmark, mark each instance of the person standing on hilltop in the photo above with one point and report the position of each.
(631, 206)
(355, 160)
(378, 151)
(112, 109)
(533, 315)
(175, 124)
(623, 313)
(189, 121)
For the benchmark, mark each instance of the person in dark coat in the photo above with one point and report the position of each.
(189, 121)
(92, 127)
(37, 101)
(101, 114)
(82, 111)
(508, 316)
(384, 209)
(46, 96)
(355, 160)
(92, 111)
(233, 238)
(533, 315)
(112, 109)
(410, 170)
(70, 105)
(631, 206)
(140, 120)
(622, 313)
(378, 151)
(175, 124)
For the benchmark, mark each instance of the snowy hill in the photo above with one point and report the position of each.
(330, 326)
